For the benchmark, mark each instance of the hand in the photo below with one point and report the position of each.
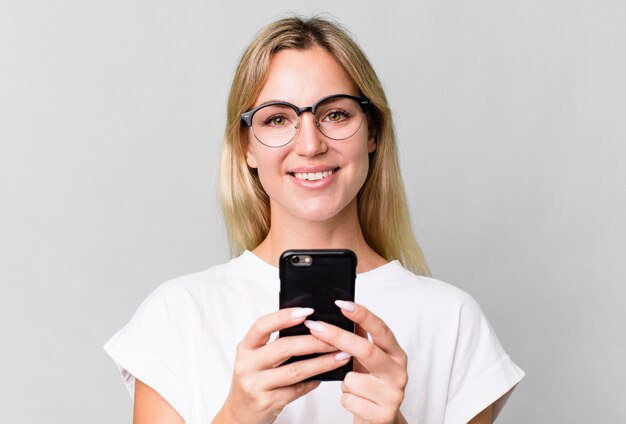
(260, 387)
(375, 390)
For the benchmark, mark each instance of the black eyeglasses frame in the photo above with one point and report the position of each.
(364, 102)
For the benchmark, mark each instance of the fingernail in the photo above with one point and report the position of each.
(346, 306)
(315, 326)
(301, 312)
(342, 356)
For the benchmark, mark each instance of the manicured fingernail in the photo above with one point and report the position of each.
(315, 326)
(301, 312)
(342, 356)
(346, 306)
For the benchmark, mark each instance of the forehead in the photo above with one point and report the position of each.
(302, 77)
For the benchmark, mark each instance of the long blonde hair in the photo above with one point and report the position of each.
(382, 207)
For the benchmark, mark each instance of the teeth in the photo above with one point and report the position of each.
(312, 176)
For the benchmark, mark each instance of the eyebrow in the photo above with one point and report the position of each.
(272, 101)
(285, 101)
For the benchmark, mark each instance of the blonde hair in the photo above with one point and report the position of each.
(382, 207)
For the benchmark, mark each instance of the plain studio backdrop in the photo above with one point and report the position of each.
(510, 121)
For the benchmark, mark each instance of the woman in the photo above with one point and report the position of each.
(309, 161)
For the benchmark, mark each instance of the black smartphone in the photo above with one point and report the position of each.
(315, 279)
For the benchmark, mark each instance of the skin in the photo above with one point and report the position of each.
(151, 408)
(324, 218)
(304, 217)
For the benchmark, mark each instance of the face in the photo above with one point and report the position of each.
(302, 77)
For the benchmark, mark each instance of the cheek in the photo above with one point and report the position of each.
(363, 169)
(266, 182)
(268, 168)
(361, 159)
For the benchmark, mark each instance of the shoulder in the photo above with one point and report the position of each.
(450, 294)
(174, 296)
(415, 304)
(445, 333)
(214, 278)
(397, 281)
(214, 289)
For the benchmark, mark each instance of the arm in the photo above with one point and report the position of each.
(483, 418)
(151, 408)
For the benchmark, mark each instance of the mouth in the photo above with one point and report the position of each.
(313, 176)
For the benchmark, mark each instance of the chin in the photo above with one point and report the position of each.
(320, 212)
(319, 217)
(318, 209)
(313, 214)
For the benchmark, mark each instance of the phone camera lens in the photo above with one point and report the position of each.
(295, 259)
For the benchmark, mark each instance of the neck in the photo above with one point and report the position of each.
(342, 231)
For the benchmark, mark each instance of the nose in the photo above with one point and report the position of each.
(309, 141)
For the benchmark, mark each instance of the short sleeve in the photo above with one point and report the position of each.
(482, 373)
(148, 348)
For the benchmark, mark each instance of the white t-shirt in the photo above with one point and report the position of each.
(182, 342)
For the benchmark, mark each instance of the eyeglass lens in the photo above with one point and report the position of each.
(336, 118)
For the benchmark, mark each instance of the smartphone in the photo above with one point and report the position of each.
(315, 279)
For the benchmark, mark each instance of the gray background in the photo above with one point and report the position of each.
(510, 117)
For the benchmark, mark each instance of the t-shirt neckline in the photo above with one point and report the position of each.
(270, 269)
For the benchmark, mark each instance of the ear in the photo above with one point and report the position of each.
(250, 158)
(245, 140)
(371, 137)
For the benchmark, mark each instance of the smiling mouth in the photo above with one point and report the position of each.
(313, 176)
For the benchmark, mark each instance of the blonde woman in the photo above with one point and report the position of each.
(309, 161)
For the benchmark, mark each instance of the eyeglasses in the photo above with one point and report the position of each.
(338, 117)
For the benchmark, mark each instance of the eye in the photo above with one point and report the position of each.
(276, 121)
(336, 116)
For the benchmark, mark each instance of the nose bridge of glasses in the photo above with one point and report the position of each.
(308, 138)
(300, 110)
